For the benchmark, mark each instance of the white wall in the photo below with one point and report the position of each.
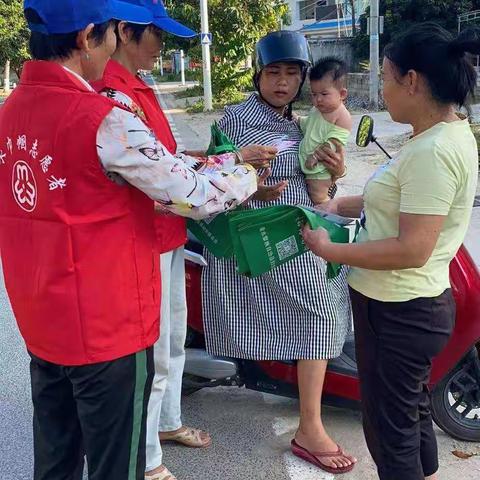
(297, 24)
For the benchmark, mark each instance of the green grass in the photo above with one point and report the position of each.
(190, 92)
(218, 103)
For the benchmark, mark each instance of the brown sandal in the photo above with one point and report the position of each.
(165, 474)
(189, 437)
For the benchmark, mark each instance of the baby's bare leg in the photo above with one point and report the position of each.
(318, 190)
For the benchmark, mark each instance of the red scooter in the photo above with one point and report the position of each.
(455, 378)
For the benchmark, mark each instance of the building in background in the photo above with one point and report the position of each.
(321, 19)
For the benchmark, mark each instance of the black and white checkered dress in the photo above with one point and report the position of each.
(292, 312)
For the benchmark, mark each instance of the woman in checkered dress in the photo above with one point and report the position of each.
(292, 312)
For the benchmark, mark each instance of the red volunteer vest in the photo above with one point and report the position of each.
(171, 229)
(78, 250)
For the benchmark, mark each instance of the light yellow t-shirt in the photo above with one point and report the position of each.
(435, 173)
(317, 131)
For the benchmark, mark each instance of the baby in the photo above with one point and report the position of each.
(328, 120)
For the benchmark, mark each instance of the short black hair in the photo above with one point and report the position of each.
(58, 46)
(435, 53)
(138, 30)
(331, 66)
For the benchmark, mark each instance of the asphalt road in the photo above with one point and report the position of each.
(15, 403)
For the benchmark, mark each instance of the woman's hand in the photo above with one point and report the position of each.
(334, 161)
(258, 156)
(261, 178)
(269, 193)
(317, 241)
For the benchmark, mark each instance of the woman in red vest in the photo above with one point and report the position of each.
(138, 48)
(78, 180)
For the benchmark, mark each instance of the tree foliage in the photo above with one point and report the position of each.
(401, 14)
(14, 34)
(236, 26)
(188, 13)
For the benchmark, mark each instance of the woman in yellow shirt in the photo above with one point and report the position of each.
(416, 211)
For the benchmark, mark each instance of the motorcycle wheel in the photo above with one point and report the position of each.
(455, 400)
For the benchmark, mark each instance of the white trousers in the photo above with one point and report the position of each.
(164, 407)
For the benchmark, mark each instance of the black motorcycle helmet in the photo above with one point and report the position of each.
(283, 46)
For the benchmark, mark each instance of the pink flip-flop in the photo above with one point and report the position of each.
(314, 458)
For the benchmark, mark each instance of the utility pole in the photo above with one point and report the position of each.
(182, 66)
(338, 18)
(207, 69)
(374, 53)
(6, 81)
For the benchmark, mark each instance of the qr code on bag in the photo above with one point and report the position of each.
(287, 248)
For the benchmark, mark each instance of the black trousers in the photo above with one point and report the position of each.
(94, 411)
(395, 345)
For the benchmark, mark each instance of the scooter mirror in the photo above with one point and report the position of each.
(365, 131)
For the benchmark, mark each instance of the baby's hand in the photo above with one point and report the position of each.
(311, 162)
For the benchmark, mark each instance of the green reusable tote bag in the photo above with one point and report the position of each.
(214, 233)
(238, 220)
(219, 142)
(274, 238)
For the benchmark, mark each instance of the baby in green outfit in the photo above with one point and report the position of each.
(328, 120)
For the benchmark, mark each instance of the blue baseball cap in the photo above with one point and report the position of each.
(127, 10)
(67, 16)
(164, 22)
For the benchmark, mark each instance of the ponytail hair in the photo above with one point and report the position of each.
(441, 58)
